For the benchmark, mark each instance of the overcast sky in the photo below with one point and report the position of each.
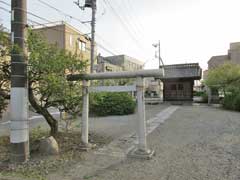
(189, 30)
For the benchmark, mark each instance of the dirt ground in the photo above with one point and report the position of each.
(40, 166)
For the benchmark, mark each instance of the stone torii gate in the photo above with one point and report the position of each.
(141, 151)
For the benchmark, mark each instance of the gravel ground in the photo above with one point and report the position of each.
(196, 142)
(117, 126)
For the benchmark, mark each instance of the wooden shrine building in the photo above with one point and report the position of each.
(178, 81)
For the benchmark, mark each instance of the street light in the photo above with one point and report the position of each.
(159, 53)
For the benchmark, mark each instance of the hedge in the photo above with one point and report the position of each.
(232, 101)
(112, 103)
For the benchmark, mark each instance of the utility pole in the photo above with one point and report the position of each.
(160, 62)
(93, 5)
(19, 135)
(93, 23)
(159, 53)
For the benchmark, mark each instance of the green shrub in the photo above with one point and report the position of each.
(111, 103)
(204, 97)
(198, 93)
(232, 101)
(228, 101)
(236, 102)
(3, 105)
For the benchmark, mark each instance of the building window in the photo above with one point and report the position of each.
(82, 45)
(79, 45)
(70, 40)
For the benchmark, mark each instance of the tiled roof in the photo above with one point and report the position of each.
(192, 70)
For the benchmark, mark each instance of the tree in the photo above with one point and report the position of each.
(227, 79)
(224, 76)
(47, 84)
(4, 70)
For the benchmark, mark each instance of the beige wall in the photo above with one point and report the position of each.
(61, 35)
(72, 39)
(205, 74)
(232, 57)
(53, 35)
(75, 46)
(216, 61)
(234, 53)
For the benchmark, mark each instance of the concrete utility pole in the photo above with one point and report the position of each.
(19, 136)
(93, 23)
(93, 5)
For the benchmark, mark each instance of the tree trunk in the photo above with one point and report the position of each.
(52, 122)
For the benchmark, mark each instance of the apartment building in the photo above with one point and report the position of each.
(67, 37)
(105, 66)
(127, 63)
(233, 57)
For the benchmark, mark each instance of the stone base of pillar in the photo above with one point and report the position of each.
(87, 147)
(141, 154)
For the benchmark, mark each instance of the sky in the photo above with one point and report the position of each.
(189, 30)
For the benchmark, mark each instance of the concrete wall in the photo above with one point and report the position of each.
(126, 62)
(108, 67)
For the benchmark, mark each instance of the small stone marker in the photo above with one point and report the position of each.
(49, 146)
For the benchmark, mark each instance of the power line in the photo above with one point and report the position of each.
(58, 30)
(61, 12)
(131, 22)
(28, 12)
(123, 23)
(5, 9)
(72, 17)
(129, 3)
(132, 30)
(5, 3)
(136, 20)
(74, 34)
(68, 15)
